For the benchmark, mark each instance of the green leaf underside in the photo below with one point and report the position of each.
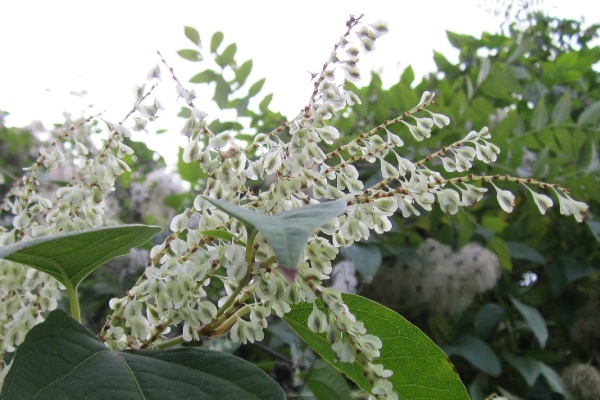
(287, 233)
(420, 368)
(61, 359)
(70, 257)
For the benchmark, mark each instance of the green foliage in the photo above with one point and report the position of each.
(70, 257)
(537, 89)
(420, 368)
(60, 358)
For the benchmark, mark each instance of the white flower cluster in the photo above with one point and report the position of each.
(37, 207)
(445, 281)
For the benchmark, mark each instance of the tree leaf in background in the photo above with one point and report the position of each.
(520, 251)
(590, 115)
(476, 352)
(326, 383)
(528, 367)
(256, 87)
(534, 319)
(193, 35)
(562, 109)
(420, 368)
(487, 318)
(190, 55)
(189, 172)
(61, 359)
(484, 71)
(365, 257)
(540, 115)
(205, 76)
(227, 56)
(215, 41)
(242, 73)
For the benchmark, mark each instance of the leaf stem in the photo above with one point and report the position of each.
(73, 301)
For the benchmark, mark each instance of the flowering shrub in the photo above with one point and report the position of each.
(258, 240)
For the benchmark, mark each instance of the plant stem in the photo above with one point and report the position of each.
(73, 301)
(242, 284)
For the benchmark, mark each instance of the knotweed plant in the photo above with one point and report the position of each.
(282, 177)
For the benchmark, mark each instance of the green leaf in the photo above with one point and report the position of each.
(61, 359)
(487, 318)
(590, 115)
(420, 368)
(526, 45)
(553, 379)
(256, 87)
(288, 232)
(365, 257)
(442, 62)
(242, 73)
(540, 115)
(528, 367)
(500, 249)
(70, 257)
(594, 228)
(185, 112)
(484, 71)
(264, 104)
(216, 41)
(520, 251)
(519, 72)
(408, 76)
(476, 352)
(193, 35)
(562, 109)
(222, 92)
(326, 383)
(206, 76)
(534, 319)
(189, 172)
(218, 234)
(227, 56)
(191, 55)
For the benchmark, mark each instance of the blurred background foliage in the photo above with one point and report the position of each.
(536, 86)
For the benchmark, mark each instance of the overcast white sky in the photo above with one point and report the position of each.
(49, 49)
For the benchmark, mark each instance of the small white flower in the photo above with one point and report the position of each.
(505, 198)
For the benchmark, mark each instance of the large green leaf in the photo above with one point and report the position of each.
(287, 233)
(60, 359)
(70, 257)
(421, 370)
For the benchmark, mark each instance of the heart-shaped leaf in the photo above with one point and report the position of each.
(60, 359)
(421, 370)
(70, 257)
(287, 233)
